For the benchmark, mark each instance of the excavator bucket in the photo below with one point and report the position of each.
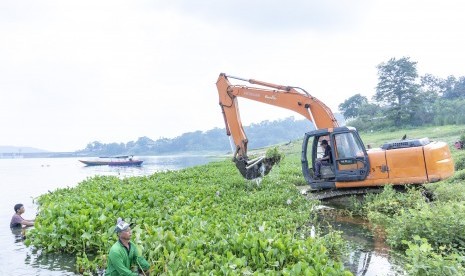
(257, 167)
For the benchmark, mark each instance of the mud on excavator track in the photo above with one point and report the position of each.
(333, 193)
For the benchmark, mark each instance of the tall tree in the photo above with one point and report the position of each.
(351, 107)
(454, 88)
(460, 87)
(431, 87)
(397, 88)
(432, 84)
(422, 108)
(448, 86)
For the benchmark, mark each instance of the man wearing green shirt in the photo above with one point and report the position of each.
(123, 254)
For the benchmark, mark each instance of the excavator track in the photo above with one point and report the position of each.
(333, 193)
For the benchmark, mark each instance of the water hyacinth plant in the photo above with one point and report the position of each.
(204, 220)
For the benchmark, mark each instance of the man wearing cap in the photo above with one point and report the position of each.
(17, 220)
(325, 160)
(123, 254)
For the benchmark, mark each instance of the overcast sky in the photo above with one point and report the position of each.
(73, 72)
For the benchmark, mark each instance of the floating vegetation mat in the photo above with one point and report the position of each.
(204, 220)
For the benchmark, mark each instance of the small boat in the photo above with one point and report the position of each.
(122, 160)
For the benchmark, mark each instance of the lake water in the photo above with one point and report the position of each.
(369, 253)
(26, 178)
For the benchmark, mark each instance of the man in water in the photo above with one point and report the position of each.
(17, 220)
(123, 254)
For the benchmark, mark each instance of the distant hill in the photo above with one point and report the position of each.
(14, 149)
(263, 134)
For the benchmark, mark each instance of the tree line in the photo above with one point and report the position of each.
(261, 134)
(405, 99)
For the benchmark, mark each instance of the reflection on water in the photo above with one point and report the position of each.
(17, 259)
(62, 264)
(369, 254)
(24, 179)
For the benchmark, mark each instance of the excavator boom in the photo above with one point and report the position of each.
(288, 97)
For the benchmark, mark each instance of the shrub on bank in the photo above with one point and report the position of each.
(430, 233)
(460, 161)
(423, 260)
(441, 224)
(452, 189)
(384, 207)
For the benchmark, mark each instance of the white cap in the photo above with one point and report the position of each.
(121, 225)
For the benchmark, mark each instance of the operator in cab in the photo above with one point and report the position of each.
(325, 160)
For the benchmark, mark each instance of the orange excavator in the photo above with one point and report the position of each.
(408, 161)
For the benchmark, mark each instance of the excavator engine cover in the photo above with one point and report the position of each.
(406, 144)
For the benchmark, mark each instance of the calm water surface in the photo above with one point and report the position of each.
(24, 179)
(369, 253)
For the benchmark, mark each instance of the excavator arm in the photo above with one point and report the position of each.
(292, 98)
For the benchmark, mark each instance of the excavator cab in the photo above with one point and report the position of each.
(349, 158)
